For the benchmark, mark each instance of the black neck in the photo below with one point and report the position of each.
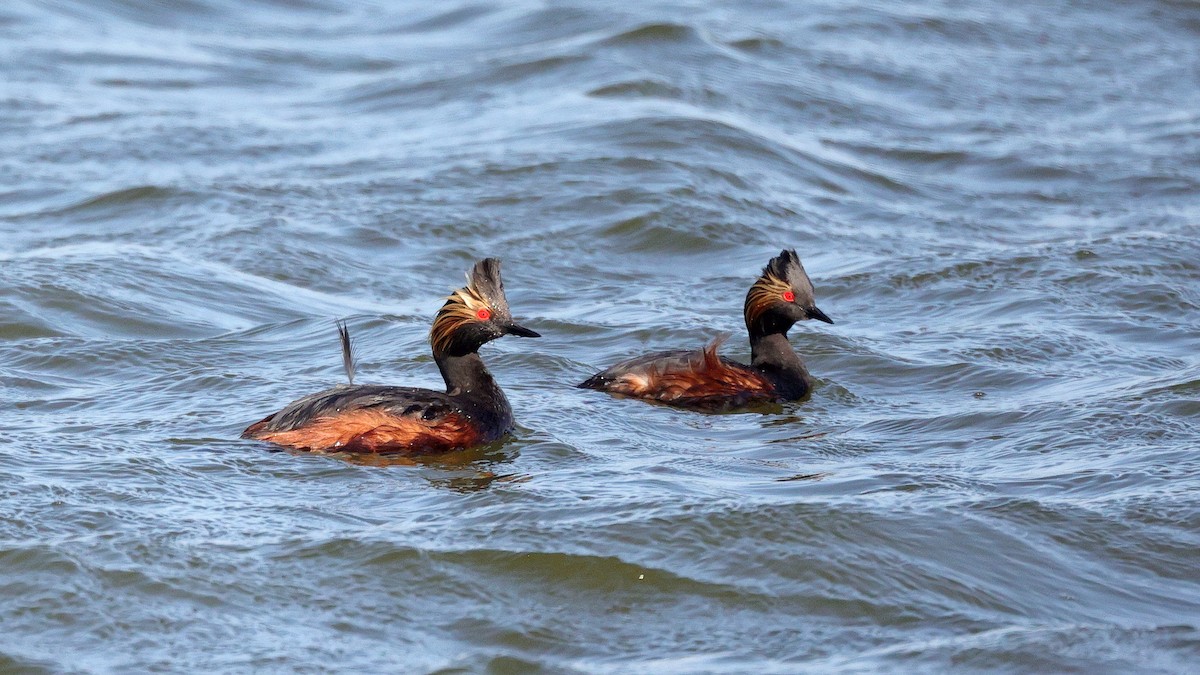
(772, 355)
(468, 380)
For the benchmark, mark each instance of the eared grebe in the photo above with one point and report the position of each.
(703, 380)
(375, 418)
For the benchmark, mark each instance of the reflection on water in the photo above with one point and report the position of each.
(462, 470)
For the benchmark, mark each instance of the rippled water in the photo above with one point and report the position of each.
(998, 204)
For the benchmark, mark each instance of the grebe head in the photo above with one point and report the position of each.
(475, 314)
(782, 296)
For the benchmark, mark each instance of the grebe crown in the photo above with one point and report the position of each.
(783, 295)
(475, 314)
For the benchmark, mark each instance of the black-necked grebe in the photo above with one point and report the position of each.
(407, 420)
(703, 380)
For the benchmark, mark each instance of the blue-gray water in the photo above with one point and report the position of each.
(998, 203)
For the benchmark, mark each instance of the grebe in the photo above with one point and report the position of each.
(378, 419)
(703, 380)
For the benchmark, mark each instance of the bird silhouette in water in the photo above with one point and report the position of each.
(703, 380)
(407, 420)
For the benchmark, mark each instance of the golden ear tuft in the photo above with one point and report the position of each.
(464, 306)
(766, 291)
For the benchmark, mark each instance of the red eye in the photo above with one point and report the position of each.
(789, 296)
(484, 314)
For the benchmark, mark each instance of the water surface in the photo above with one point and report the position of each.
(998, 204)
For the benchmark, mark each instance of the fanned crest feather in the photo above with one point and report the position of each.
(347, 350)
